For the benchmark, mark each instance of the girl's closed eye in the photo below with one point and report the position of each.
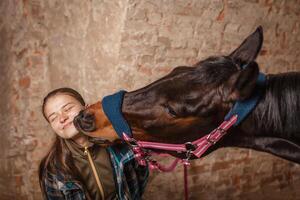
(53, 119)
(68, 108)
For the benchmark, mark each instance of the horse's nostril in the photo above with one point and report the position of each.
(87, 116)
(85, 121)
(80, 114)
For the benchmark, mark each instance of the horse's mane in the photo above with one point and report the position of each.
(279, 110)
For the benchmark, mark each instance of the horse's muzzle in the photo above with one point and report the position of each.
(84, 122)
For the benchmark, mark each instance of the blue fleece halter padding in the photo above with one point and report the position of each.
(244, 108)
(112, 107)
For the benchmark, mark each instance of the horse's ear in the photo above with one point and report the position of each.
(242, 83)
(249, 48)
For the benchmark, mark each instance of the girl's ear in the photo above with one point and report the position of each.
(242, 83)
(249, 48)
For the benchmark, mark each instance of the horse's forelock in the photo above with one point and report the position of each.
(214, 70)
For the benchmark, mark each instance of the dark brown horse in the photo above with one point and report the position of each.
(191, 101)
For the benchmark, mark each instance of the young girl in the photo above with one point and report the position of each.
(76, 168)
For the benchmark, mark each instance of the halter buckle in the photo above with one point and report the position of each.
(223, 131)
(209, 140)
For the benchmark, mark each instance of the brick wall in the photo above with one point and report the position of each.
(98, 47)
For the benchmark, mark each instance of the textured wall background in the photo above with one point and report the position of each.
(98, 47)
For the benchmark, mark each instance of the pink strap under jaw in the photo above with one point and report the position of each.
(207, 141)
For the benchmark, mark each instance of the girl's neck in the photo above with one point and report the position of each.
(81, 140)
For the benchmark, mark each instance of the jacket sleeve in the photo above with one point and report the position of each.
(59, 190)
(56, 189)
(136, 178)
(52, 191)
(130, 177)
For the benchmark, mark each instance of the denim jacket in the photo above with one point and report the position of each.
(130, 178)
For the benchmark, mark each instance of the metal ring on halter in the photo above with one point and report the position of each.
(132, 142)
(190, 147)
(188, 154)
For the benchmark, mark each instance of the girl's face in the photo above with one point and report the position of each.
(60, 111)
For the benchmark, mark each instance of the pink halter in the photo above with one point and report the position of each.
(196, 148)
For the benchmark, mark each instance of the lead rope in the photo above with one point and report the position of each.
(186, 187)
(86, 152)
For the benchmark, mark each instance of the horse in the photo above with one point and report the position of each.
(191, 101)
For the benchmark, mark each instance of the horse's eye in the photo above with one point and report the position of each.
(170, 111)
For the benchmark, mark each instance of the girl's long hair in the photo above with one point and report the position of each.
(59, 158)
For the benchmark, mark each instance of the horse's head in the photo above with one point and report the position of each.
(189, 100)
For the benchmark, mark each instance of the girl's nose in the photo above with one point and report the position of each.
(63, 117)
